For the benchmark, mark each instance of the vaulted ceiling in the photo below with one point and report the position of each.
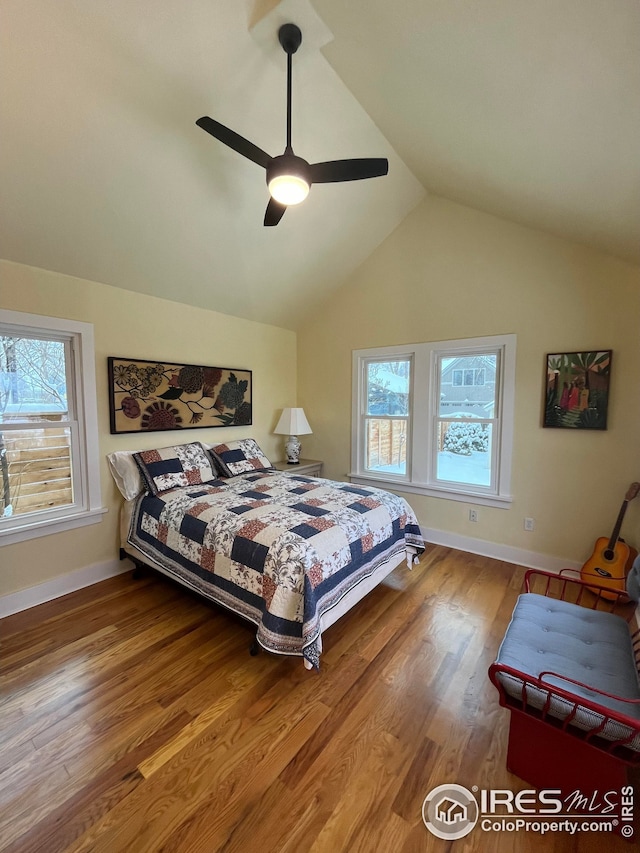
(527, 109)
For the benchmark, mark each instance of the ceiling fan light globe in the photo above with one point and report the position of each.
(288, 189)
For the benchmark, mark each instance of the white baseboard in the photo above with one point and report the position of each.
(507, 553)
(14, 602)
(23, 599)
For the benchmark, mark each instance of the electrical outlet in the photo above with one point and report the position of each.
(473, 515)
(529, 524)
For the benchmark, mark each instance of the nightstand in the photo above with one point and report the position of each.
(306, 467)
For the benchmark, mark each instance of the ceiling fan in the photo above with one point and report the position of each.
(289, 177)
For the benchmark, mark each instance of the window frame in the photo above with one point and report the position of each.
(366, 417)
(421, 471)
(82, 420)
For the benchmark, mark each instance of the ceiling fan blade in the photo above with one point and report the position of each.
(235, 141)
(274, 212)
(349, 170)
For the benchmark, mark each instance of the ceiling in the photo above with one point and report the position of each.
(527, 109)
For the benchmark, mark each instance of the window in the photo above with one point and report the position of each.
(436, 418)
(386, 414)
(49, 477)
(467, 376)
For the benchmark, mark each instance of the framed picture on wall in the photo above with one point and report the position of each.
(145, 396)
(577, 389)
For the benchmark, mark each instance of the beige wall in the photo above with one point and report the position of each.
(451, 272)
(131, 324)
(446, 272)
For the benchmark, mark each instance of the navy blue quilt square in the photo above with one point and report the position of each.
(301, 490)
(193, 528)
(356, 549)
(153, 506)
(255, 496)
(305, 530)
(240, 509)
(233, 456)
(164, 466)
(249, 553)
(309, 509)
(197, 494)
(355, 491)
(358, 507)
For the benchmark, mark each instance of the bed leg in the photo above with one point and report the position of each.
(138, 568)
(254, 648)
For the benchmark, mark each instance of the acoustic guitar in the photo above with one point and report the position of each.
(612, 558)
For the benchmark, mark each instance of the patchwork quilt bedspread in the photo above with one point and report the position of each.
(279, 549)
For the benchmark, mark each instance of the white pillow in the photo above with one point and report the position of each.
(126, 473)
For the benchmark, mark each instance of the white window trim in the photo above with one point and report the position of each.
(88, 507)
(360, 418)
(417, 480)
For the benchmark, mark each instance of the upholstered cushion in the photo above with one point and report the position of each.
(169, 467)
(239, 457)
(590, 646)
(633, 580)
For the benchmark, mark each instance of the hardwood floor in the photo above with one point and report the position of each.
(134, 719)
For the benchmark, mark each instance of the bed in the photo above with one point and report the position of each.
(289, 553)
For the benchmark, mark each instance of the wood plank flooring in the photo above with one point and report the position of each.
(134, 720)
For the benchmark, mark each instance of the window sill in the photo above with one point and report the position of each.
(34, 529)
(479, 498)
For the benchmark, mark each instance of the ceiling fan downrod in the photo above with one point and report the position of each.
(290, 37)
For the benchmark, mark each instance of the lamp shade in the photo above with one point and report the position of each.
(293, 422)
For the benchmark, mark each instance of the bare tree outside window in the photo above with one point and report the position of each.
(34, 440)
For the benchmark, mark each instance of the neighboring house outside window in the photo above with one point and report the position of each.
(436, 418)
(49, 472)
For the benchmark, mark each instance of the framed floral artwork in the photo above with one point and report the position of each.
(145, 396)
(577, 389)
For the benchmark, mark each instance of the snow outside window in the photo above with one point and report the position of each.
(436, 418)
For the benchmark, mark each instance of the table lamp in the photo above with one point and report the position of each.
(292, 423)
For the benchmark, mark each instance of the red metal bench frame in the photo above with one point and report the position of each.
(549, 752)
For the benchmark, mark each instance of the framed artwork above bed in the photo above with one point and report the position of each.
(147, 396)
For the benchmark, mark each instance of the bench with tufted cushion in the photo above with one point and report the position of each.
(567, 670)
